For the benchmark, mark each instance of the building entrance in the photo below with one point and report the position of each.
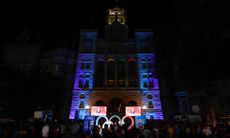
(116, 107)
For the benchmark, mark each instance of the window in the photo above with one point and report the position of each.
(87, 76)
(82, 96)
(87, 83)
(150, 104)
(141, 40)
(144, 66)
(88, 65)
(81, 105)
(145, 85)
(121, 73)
(111, 73)
(82, 65)
(132, 73)
(85, 64)
(99, 82)
(111, 83)
(80, 84)
(145, 76)
(121, 83)
(150, 66)
(150, 96)
(84, 81)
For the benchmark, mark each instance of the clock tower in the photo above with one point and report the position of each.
(116, 71)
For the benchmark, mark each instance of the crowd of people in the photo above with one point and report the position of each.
(35, 128)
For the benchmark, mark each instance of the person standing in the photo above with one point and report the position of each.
(45, 131)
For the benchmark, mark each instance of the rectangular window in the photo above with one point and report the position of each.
(111, 83)
(88, 66)
(150, 66)
(87, 83)
(82, 65)
(121, 83)
(144, 66)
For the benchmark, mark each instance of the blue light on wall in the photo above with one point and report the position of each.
(83, 84)
(143, 60)
(146, 77)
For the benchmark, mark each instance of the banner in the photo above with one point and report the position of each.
(98, 110)
(133, 110)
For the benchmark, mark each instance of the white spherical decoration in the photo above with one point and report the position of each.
(195, 109)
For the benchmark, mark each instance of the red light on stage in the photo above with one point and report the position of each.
(98, 110)
(133, 110)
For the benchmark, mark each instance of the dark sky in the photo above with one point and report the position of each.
(197, 31)
(65, 19)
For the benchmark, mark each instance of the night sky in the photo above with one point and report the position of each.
(191, 36)
(195, 31)
(55, 20)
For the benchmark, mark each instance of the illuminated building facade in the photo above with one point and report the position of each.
(116, 71)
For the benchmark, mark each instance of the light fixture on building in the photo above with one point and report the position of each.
(87, 107)
(144, 107)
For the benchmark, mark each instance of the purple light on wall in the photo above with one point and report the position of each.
(85, 73)
(156, 85)
(72, 114)
(143, 60)
(145, 78)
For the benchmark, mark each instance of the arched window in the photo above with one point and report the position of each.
(121, 73)
(82, 96)
(82, 65)
(86, 83)
(132, 73)
(111, 73)
(80, 83)
(87, 76)
(144, 66)
(99, 82)
(88, 65)
(85, 64)
(145, 76)
(145, 85)
(150, 96)
(82, 105)
(150, 104)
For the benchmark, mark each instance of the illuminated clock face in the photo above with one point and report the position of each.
(119, 18)
(116, 12)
